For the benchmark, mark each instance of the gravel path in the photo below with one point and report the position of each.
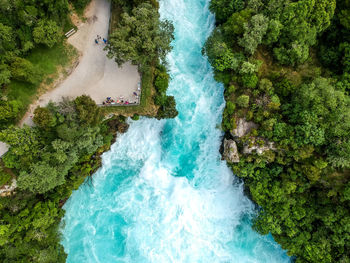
(96, 75)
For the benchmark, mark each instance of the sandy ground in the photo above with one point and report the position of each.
(96, 75)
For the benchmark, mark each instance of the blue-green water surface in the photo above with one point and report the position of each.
(163, 195)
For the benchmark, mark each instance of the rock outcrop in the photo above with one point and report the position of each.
(230, 151)
(6, 190)
(259, 149)
(243, 127)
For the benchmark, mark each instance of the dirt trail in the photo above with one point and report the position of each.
(96, 75)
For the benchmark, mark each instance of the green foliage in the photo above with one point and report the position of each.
(43, 118)
(224, 8)
(140, 37)
(302, 183)
(4, 177)
(88, 112)
(243, 101)
(235, 23)
(168, 109)
(47, 32)
(162, 81)
(254, 32)
(79, 5)
(230, 107)
(9, 111)
(250, 80)
(24, 70)
(48, 166)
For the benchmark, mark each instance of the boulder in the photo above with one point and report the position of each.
(243, 127)
(6, 190)
(230, 151)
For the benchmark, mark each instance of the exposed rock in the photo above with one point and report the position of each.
(7, 189)
(230, 151)
(3, 148)
(243, 127)
(259, 149)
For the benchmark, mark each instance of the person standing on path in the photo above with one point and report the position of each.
(96, 41)
(105, 40)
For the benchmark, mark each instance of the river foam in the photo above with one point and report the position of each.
(163, 194)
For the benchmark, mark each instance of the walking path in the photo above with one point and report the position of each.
(96, 75)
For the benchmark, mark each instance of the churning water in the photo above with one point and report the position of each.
(163, 195)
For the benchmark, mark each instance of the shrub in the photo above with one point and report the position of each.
(243, 101)
(250, 80)
(230, 107)
(231, 89)
(47, 32)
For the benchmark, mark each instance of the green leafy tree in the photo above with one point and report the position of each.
(254, 33)
(24, 70)
(225, 8)
(47, 32)
(140, 37)
(44, 118)
(9, 110)
(41, 178)
(88, 111)
(168, 109)
(235, 23)
(243, 101)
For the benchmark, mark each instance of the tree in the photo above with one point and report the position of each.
(24, 70)
(44, 118)
(243, 101)
(235, 23)
(220, 55)
(5, 75)
(168, 109)
(42, 178)
(254, 33)
(223, 9)
(47, 32)
(140, 37)
(6, 39)
(88, 112)
(9, 110)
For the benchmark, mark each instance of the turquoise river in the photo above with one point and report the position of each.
(163, 195)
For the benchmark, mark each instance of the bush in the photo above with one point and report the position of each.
(230, 106)
(168, 109)
(47, 32)
(162, 81)
(135, 117)
(24, 70)
(4, 177)
(44, 118)
(231, 89)
(243, 101)
(250, 80)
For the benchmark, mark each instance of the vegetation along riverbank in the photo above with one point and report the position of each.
(285, 68)
(50, 160)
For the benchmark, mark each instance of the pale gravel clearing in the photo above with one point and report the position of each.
(96, 75)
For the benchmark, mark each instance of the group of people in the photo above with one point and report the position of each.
(98, 39)
(110, 101)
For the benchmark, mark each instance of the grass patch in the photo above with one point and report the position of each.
(48, 61)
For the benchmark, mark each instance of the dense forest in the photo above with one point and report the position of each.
(51, 159)
(285, 66)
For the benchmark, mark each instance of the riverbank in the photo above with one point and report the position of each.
(54, 157)
(286, 121)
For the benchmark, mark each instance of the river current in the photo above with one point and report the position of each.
(163, 195)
